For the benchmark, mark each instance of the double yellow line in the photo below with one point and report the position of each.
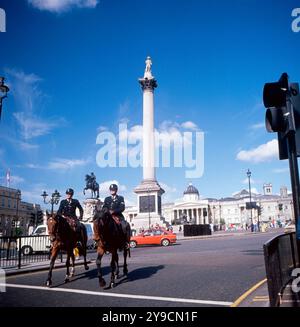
(237, 302)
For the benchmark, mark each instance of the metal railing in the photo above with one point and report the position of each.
(281, 257)
(24, 250)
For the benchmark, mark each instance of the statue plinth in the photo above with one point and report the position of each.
(90, 208)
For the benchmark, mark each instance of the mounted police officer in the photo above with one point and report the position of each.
(116, 205)
(67, 208)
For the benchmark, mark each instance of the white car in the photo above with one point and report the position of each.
(39, 241)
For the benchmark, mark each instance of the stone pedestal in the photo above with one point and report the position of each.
(90, 207)
(149, 205)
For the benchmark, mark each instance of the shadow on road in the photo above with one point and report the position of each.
(142, 273)
(137, 274)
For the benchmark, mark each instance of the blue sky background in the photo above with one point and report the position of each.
(72, 69)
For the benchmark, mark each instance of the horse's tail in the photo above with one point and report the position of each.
(129, 252)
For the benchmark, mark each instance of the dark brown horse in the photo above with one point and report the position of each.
(111, 240)
(63, 237)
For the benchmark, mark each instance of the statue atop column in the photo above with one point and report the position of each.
(148, 72)
(148, 82)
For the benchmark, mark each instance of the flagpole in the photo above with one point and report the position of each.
(8, 178)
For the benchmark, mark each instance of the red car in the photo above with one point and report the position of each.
(153, 237)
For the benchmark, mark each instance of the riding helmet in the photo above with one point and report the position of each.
(113, 187)
(70, 191)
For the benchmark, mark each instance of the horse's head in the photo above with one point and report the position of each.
(102, 216)
(52, 224)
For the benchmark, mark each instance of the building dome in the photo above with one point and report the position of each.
(191, 194)
(191, 189)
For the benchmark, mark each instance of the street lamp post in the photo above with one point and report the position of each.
(3, 93)
(149, 216)
(249, 176)
(54, 200)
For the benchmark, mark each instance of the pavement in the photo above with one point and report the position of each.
(211, 271)
(258, 296)
(39, 266)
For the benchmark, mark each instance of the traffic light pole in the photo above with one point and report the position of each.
(294, 171)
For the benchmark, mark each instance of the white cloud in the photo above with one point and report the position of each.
(253, 181)
(33, 195)
(23, 145)
(30, 101)
(281, 170)
(190, 125)
(58, 6)
(167, 188)
(60, 164)
(32, 126)
(65, 164)
(102, 129)
(26, 146)
(263, 153)
(257, 126)
(14, 180)
(104, 187)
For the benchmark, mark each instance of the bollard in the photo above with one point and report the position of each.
(2, 281)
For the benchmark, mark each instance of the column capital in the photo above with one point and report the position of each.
(148, 84)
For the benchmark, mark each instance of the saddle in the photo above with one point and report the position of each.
(71, 222)
(116, 219)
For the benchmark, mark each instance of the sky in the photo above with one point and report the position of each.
(73, 67)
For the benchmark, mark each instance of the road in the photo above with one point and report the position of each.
(206, 272)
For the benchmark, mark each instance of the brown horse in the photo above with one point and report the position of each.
(63, 237)
(111, 240)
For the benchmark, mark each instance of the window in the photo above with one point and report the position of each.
(41, 230)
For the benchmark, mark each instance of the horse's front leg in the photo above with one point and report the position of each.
(113, 265)
(102, 282)
(54, 253)
(68, 266)
(125, 269)
(117, 266)
(73, 265)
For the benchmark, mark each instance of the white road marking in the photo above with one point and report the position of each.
(118, 295)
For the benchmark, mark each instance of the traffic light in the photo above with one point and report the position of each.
(32, 219)
(282, 101)
(40, 217)
(259, 210)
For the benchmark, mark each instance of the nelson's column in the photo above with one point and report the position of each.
(149, 191)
